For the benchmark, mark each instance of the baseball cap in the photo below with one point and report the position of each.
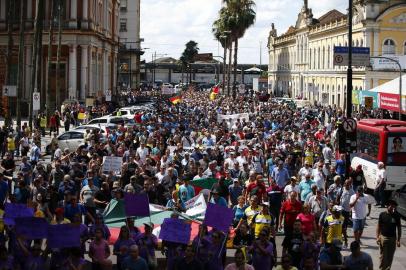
(337, 208)
(149, 224)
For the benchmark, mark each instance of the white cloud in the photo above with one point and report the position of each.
(166, 25)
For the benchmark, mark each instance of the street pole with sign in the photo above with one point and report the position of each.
(349, 70)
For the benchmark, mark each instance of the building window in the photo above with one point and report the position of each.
(123, 5)
(389, 47)
(318, 59)
(310, 56)
(123, 25)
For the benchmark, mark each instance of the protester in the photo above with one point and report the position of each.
(358, 260)
(239, 263)
(359, 204)
(388, 234)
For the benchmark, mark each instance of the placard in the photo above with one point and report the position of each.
(175, 230)
(112, 164)
(63, 236)
(31, 227)
(136, 205)
(219, 217)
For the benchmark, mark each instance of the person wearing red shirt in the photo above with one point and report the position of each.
(289, 211)
(257, 188)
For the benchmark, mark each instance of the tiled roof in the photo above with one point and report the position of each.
(331, 16)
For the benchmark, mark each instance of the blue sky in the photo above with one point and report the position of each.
(166, 25)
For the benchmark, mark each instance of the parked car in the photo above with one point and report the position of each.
(70, 140)
(400, 197)
(108, 119)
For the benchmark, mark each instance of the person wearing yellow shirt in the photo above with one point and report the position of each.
(251, 211)
(11, 145)
(333, 226)
(59, 218)
(263, 220)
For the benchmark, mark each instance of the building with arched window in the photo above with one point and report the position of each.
(377, 25)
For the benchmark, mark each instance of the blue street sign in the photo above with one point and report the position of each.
(355, 50)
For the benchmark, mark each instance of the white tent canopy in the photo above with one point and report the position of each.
(391, 87)
(253, 69)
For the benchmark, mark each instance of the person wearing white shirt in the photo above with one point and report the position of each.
(319, 177)
(328, 152)
(359, 203)
(291, 187)
(380, 179)
(304, 171)
(231, 160)
(142, 152)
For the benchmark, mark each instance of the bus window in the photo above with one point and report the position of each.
(368, 143)
(396, 149)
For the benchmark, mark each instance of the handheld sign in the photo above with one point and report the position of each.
(31, 227)
(218, 217)
(63, 236)
(175, 230)
(16, 210)
(136, 205)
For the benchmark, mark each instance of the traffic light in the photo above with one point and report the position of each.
(4, 107)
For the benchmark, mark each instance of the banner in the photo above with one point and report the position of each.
(218, 217)
(63, 236)
(31, 227)
(175, 230)
(374, 95)
(136, 205)
(355, 97)
(112, 164)
(232, 118)
(196, 207)
(389, 101)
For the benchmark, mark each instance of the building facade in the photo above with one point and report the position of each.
(301, 60)
(130, 44)
(89, 47)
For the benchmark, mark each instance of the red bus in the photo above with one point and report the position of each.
(381, 140)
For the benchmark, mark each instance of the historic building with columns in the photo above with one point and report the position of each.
(301, 59)
(89, 47)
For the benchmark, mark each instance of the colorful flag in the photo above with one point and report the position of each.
(213, 96)
(175, 100)
(215, 89)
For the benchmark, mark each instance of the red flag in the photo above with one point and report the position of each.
(216, 89)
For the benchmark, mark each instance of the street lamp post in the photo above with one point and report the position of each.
(400, 80)
(224, 71)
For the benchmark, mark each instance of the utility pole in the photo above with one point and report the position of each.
(48, 106)
(58, 55)
(349, 70)
(20, 72)
(10, 9)
(35, 53)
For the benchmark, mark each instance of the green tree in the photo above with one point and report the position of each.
(240, 16)
(188, 57)
(221, 32)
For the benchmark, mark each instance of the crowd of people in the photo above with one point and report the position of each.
(279, 170)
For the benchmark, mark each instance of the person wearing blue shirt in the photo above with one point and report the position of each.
(217, 199)
(340, 166)
(305, 187)
(186, 191)
(3, 189)
(134, 261)
(280, 175)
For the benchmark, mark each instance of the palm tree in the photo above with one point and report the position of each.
(222, 33)
(188, 56)
(241, 17)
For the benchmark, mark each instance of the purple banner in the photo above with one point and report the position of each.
(219, 217)
(16, 210)
(175, 230)
(31, 227)
(136, 205)
(63, 236)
